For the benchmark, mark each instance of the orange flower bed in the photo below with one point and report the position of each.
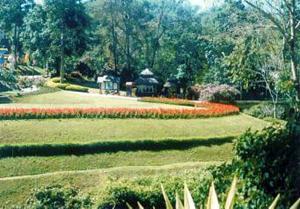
(202, 110)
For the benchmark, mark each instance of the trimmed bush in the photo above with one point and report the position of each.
(55, 83)
(76, 88)
(62, 86)
(55, 80)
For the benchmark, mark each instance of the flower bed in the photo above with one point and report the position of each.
(182, 102)
(206, 110)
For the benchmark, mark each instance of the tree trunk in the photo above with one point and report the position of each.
(292, 43)
(15, 46)
(62, 60)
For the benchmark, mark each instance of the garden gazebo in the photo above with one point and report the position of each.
(146, 84)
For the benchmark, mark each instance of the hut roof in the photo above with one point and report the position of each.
(146, 72)
(108, 78)
(146, 81)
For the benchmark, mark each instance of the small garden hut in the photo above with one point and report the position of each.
(146, 84)
(108, 84)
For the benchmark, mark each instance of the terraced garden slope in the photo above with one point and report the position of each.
(87, 153)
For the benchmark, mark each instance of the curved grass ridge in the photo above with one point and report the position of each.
(106, 147)
(206, 110)
(181, 102)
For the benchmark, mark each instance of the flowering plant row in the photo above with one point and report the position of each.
(206, 110)
(182, 102)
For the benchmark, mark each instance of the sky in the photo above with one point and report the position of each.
(204, 4)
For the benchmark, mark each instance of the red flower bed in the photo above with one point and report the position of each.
(202, 110)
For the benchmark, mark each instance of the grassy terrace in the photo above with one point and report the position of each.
(90, 130)
(87, 153)
(213, 152)
(16, 191)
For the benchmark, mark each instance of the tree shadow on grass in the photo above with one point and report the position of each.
(108, 147)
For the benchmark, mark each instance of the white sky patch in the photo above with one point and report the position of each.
(205, 4)
(39, 1)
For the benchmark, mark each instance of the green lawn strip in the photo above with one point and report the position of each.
(74, 99)
(39, 165)
(15, 191)
(107, 147)
(78, 131)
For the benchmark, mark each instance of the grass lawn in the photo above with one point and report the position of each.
(75, 99)
(16, 191)
(39, 165)
(93, 130)
(179, 145)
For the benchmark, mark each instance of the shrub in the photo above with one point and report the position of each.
(61, 86)
(76, 88)
(55, 83)
(266, 160)
(264, 163)
(58, 197)
(218, 93)
(147, 190)
(264, 110)
(194, 91)
(29, 81)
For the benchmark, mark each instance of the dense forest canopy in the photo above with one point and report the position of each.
(251, 45)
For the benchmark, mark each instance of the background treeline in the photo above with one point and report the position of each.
(234, 43)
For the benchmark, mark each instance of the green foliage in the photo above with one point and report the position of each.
(58, 197)
(76, 88)
(266, 166)
(147, 191)
(55, 83)
(7, 79)
(264, 110)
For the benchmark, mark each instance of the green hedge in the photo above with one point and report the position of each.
(55, 83)
(76, 88)
(106, 147)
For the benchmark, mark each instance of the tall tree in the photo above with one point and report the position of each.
(12, 14)
(283, 14)
(35, 37)
(67, 22)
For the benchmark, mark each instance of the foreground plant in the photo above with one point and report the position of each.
(212, 200)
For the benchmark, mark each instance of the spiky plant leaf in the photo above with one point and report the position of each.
(188, 200)
(129, 206)
(296, 205)
(140, 206)
(230, 198)
(275, 202)
(179, 204)
(167, 200)
(212, 202)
